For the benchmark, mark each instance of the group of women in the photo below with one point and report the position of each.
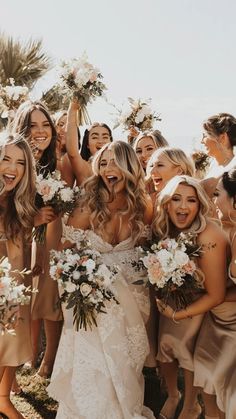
(136, 192)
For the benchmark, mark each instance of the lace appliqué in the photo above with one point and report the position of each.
(134, 346)
(71, 234)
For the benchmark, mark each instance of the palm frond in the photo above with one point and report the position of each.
(25, 62)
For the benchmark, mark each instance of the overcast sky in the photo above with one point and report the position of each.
(181, 53)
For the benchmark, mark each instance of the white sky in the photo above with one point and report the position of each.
(181, 53)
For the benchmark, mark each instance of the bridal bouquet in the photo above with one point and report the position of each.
(172, 270)
(86, 282)
(12, 294)
(82, 81)
(137, 114)
(11, 97)
(56, 194)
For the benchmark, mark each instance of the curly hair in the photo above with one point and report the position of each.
(221, 123)
(22, 125)
(161, 223)
(20, 209)
(97, 195)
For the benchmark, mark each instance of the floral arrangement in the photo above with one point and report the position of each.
(11, 97)
(137, 114)
(86, 282)
(12, 294)
(201, 160)
(172, 270)
(82, 81)
(55, 193)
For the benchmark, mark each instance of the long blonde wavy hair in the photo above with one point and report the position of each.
(161, 223)
(20, 209)
(97, 196)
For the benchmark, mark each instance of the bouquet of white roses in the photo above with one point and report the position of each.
(82, 81)
(86, 282)
(11, 97)
(172, 270)
(55, 193)
(137, 114)
(12, 294)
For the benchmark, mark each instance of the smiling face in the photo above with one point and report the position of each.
(40, 132)
(183, 206)
(145, 148)
(222, 202)
(110, 172)
(98, 136)
(211, 144)
(162, 170)
(12, 166)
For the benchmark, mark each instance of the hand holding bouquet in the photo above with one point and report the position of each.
(83, 82)
(86, 282)
(172, 270)
(11, 97)
(58, 195)
(137, 114)
(12, 295)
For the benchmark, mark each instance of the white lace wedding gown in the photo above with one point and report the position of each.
(98, 374)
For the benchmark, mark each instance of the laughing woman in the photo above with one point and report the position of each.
(102, 370)
(34, 122)
(183, 207)
(16, 221)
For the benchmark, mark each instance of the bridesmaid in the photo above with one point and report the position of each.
(182, 207)
(164, 164)
(219, 139)
(145, 145)
(34, 121)
(16, 221)
(214, 359)
(93, 140)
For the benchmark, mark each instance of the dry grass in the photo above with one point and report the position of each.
(34, 402)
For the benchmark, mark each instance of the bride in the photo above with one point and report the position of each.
(98, 373)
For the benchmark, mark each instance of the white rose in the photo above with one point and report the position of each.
(90, 265)
(85, 289)
(66, 194)
(181, 258)
(76, 275)
(70, 287)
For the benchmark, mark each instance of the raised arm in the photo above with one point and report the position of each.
(80, 167)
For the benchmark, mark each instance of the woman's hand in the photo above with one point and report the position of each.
(74, 105)
(133, 134)
(164, 309)
(45, 215)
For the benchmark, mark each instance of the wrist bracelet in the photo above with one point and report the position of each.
(173, 318)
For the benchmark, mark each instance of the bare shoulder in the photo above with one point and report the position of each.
(214, 235)
(80, 218)
(148, 213)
